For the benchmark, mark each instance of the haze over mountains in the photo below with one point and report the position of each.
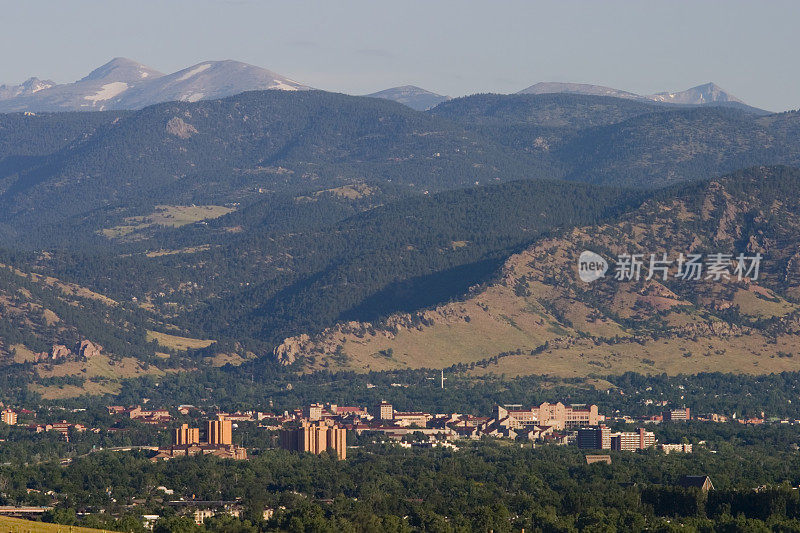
(125, 84)
(412, 96)
(707, 94)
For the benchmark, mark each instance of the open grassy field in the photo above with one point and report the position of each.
(173, 216)
(17, 525)
(175, 342)
(745, 354)
(107, 374)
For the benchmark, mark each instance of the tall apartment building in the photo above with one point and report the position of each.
(677, 414)
(631, 441)
(594, 438)
(315, 438)
(8, 417)
(384, 411)
(219, 431)
(186, 435)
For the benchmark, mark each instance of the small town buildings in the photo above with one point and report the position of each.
(219, 442)
(674, 415)
(601, 438)
(188, 450)
(669, 448)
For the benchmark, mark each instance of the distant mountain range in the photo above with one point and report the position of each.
(126, 84)
(708, 93)
(412, 96)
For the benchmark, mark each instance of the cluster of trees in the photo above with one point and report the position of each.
(267, 387)
(481, 487)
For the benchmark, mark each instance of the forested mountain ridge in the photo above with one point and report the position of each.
(539, 317)
(265, 216)
(276, 267)
(59, 171)
(249, 278)
(229, 150)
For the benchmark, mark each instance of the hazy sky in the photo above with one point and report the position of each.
(450, 47)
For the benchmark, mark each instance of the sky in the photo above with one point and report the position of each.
(450, 47)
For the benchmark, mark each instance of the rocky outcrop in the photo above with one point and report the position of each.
(88, 349)
(59, 351)
(290, 349)
(177, 127)
(84, 349)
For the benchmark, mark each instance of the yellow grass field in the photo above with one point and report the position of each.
(173, 216)
(111, 371)
(175, 342)
(17, 525)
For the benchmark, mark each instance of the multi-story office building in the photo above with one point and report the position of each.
(556, 415)
(8, 417)
(419, 420)
(313, 411)
(677, 414)
(594, 438)
(601, 438)
(631, 441)
(384, 411)
(523, 416)
(669, 448)
(186, 435)
(315, 438)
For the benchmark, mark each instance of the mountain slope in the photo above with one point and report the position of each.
(702, 94)
(231, 151)
(26, 88)
(126, 84)
(539, 317)
(205, 81)
(576, 111)
(706, 94)
(577, 88)
(226, 151)
(672, 146)
(413, 97)
(95, 92)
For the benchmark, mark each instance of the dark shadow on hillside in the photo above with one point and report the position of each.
(423, 291)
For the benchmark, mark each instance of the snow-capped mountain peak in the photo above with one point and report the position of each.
(708, 93)
(28, 87)
(126, 84)
(121, 69)
(702, 94)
